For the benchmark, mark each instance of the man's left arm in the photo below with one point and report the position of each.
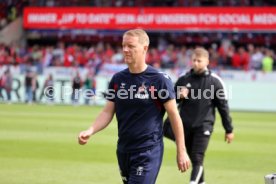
(221, 103)
(183, 160)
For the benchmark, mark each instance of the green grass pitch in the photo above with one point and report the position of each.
(38, 145)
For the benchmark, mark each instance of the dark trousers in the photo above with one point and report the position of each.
(140, 167)
(196, 140)
(8, 92)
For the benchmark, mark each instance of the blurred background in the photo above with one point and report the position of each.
(66, 39)
(48, 48)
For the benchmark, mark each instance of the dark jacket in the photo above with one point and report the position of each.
(206, 92)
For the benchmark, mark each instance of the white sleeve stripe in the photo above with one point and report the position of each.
(222, 83)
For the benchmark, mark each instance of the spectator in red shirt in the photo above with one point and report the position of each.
(244, 59)
(236, 60)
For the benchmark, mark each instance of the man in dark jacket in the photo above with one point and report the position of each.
(199, 92)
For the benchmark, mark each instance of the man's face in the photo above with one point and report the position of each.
(133, 50)
(199, 63)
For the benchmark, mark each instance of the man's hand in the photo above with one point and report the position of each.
(183, 92)
(229, 137)
(84, 136)
(183, 161)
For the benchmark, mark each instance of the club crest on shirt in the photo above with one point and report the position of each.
(142, 88)
(142, 92)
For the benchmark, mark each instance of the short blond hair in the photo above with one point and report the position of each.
(143, 37)
(200, 52)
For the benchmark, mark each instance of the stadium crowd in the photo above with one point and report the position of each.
(243, 52)
(164, 55)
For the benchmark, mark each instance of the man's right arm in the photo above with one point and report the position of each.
(103, 119)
